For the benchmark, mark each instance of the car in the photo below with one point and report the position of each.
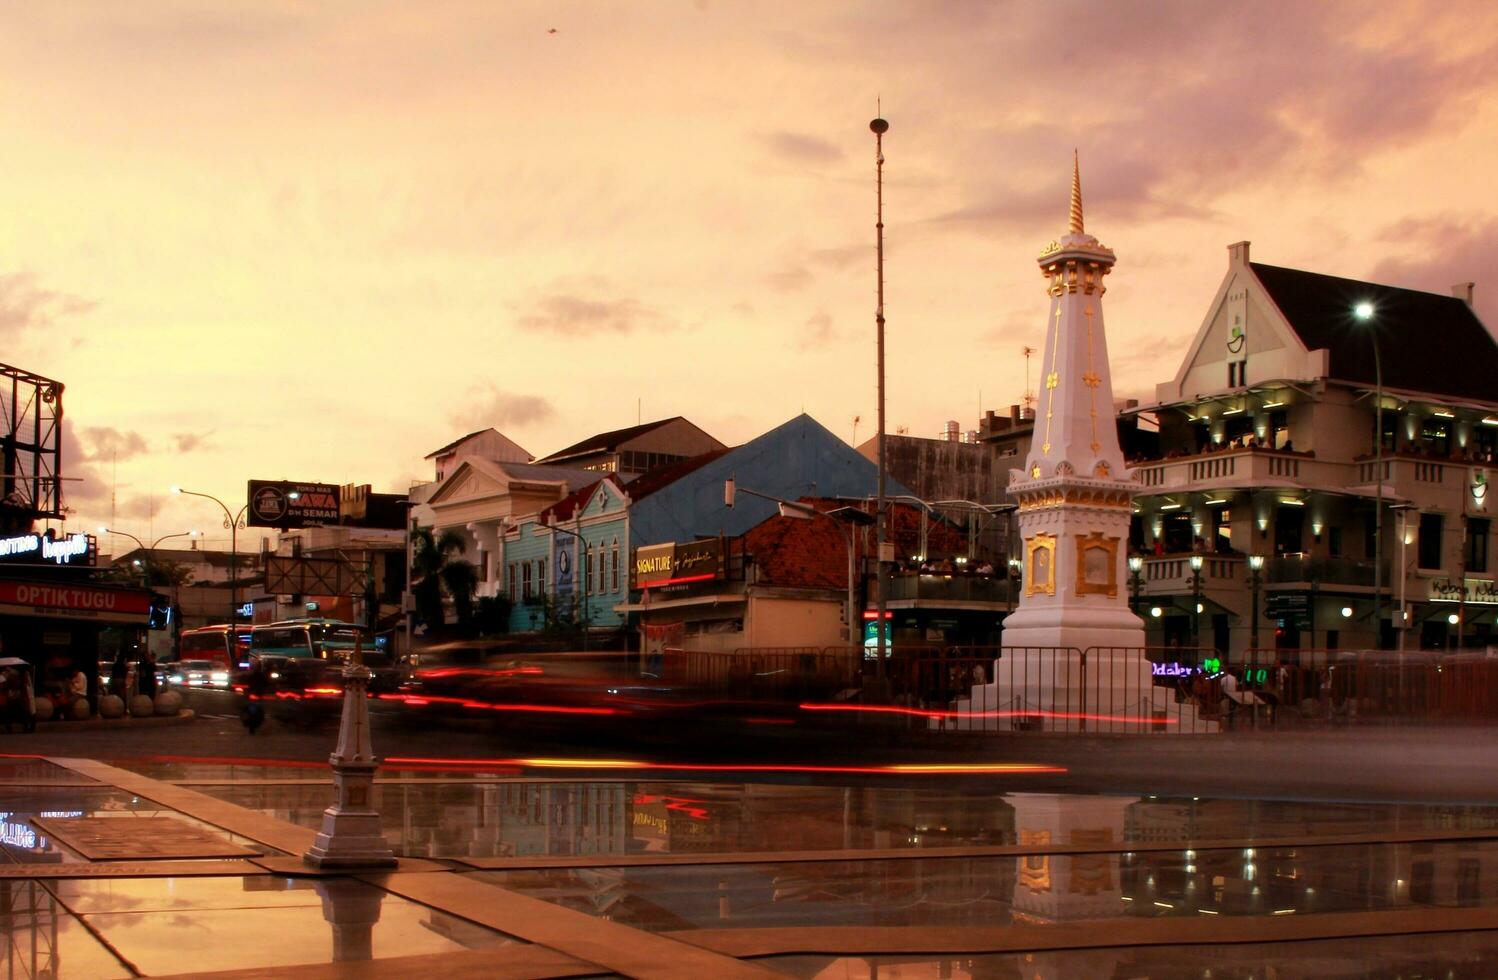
(198, 673)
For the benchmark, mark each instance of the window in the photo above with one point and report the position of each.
(1222, 530)
(1391, 423)
(1435, 434)
(1431, 526)
(614, 562)
(525, 580)
(510, 581)
(1485, 438)
(588, 570)
(1289, 530)
(483, 565)
(601, 570)
(1279, 429)
(1334, 542)
(1477, 544)
(541, 576)
(1237, 373)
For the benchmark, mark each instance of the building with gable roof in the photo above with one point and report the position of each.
(637, 449)
(1271, 453)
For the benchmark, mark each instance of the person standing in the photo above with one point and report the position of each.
(119, 673)
(146, 682)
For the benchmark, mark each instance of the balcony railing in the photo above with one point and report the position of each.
(953, 588)
(1326, 571)
(1241, 467)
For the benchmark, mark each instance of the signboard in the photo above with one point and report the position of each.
(1479, 591)
(287, 505)
(74, 602)
(676, 563)
(35, 549)
(1293, 607)
(566, 581)
(312, 576)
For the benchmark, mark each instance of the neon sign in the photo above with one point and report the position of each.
(48, 547)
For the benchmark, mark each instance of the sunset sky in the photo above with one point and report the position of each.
(275, 240)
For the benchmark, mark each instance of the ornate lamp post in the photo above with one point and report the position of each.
(1255, 567)
(1136, 567)
(1196, 601)
(148, 549)
(1364, 311)
(232, 522)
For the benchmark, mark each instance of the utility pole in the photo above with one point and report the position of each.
(879, 127)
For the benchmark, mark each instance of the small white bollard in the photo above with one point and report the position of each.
(141, 706)
(111, 706)
(168, 703)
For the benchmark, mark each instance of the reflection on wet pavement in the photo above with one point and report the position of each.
(174, 925)
(519, 819)
(1043, 888)
(26, 770)
(22, 843)
(1453, 956)
(38, 938)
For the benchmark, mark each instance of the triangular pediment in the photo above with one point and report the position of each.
(470, 481)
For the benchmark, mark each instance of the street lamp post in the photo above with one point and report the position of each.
(148, 549)
(790, 508)
(1364, 311)
(233, 522)
(1136, 566)
(881, 532)
(1196, 601)
(1255, 567)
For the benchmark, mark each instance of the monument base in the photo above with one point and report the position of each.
(349, 840)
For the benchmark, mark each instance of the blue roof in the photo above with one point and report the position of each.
(798, 459)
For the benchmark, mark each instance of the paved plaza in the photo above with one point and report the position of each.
(554, 872)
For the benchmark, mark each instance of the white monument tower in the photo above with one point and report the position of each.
(1075, 496)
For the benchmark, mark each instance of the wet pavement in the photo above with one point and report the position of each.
(939, 876)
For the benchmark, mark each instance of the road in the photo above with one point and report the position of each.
(1445, 765)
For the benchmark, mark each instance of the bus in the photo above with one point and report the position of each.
(228, 647)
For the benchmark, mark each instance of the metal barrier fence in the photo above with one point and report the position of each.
(1102, 689)
(955, 689)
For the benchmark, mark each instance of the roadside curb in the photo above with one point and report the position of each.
(59, 726)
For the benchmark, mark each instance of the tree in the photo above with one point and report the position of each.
(437, 572)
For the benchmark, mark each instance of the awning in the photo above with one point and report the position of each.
(63, 600)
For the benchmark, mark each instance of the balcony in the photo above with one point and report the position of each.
(1417, 471)
(1172, 574)
(1306, 569)
(943, 589)
(1246, 468)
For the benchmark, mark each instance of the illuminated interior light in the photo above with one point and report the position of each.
(1216, 500)
(1170, 506)
(1443, 414)
(1292, 502)
(1156, 611)
(1232, 411)
(1273, 404)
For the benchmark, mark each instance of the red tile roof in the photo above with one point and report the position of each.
(813, 554)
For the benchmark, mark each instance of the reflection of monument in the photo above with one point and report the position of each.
(1067, 887)
(352, 908)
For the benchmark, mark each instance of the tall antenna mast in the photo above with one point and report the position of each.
(879, 127)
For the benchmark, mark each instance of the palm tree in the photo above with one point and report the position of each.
(436, 572)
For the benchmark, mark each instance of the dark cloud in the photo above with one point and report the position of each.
(106, 443)
(570, 314)
(817, 332)
(487, 405)
(790, 278)
(24, 304)
(1173, 104)
(801, 148)
(187, 442)
(1442, 251)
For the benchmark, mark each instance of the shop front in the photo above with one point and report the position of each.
(62, 627)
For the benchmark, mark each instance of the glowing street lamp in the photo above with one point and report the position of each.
(233, 522)
(1255, 567)
(1364, 311)
(1196, 601)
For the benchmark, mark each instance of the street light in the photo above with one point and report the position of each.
(148, 549)
(846, 516)
(233, 522)
(1364, 311)
(1196, 601)
(1136, 566)
(1255, 567)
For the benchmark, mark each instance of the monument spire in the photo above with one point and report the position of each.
(1076, 195)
